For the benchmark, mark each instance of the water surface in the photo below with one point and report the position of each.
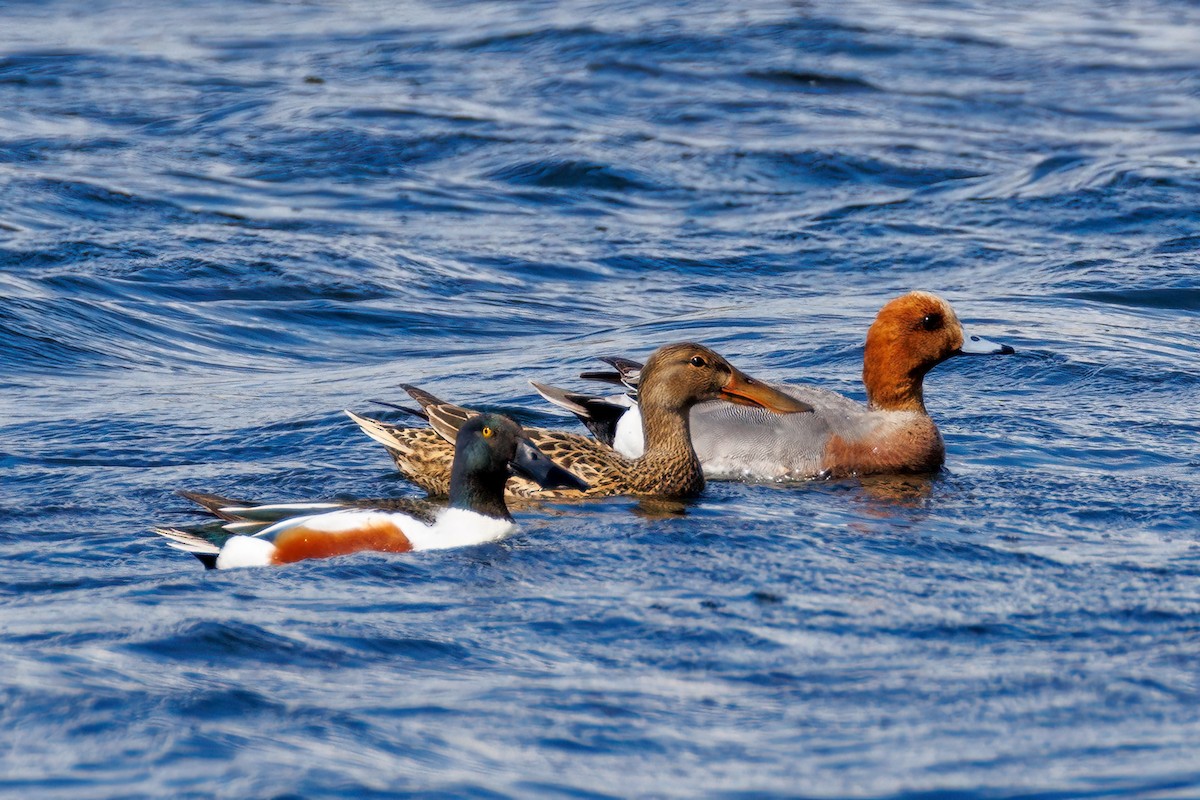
(221, 224)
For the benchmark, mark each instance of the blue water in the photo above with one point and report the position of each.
(221, 224)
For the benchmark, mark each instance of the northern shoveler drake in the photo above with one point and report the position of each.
(892, 433)
(675, 378)
(486, 448)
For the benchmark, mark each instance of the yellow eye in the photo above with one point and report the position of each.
(487, 433)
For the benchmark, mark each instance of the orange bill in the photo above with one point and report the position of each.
(746, 391)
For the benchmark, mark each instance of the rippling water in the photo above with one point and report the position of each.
(221, 224)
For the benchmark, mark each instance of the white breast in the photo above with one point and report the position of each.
(456, 527)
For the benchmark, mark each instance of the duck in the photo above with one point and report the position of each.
(675, 378)
(487, 447)
(892, 433)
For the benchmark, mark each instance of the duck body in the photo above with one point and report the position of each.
(422, 453)
(675, 378)
(891, 433)
(488, 446)
(340, 532)
(840, 438)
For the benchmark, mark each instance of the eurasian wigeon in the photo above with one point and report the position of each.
(487, 446)
(892, 433)
(675, 378)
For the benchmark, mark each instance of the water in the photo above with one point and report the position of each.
(221, 224)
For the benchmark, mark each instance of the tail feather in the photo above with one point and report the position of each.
(599, 414)
(378, 431)
(415, 412)
(574, 402)
(188, 542)
(445, 418)
(603, 376)
(214, 503)
(628, 372)
(628, 368)
(421, 396)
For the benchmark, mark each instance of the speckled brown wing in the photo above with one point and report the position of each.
(603, 468)
(420, 453)
(425, 458)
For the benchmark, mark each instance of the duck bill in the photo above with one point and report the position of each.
(531, 463)
(978, 346)
(746, 391)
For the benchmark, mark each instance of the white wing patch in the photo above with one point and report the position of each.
(454, 527)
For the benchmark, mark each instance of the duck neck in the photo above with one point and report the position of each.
(891, 385)
(666, 430)
(481, 492)
(669, 453)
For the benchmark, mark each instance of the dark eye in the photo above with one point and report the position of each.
(931, 322)
(698, 361)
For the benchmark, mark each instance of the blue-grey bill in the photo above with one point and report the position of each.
(978, 346)
(529, 462)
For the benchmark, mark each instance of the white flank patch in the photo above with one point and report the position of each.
(454, 528)
(342, 521)
(245, 551)
(628, 440)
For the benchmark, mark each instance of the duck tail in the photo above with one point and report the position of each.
(380, 431)
(422, 454)
(574, 402)
(445, 418)
(599, 414)
(628, 372)
(193, 543)
(413, 412)
(214, 503)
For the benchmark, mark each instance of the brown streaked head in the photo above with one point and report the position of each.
(677, 376)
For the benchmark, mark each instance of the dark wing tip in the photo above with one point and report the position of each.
(421, 396)
(415, 412)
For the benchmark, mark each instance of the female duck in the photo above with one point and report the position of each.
(486, 447)
(892, 433)
(675, 378)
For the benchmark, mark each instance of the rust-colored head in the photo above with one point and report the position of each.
(677, 376)
(911, 335)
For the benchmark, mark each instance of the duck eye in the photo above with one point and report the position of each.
(697, 361)
(487, 432)
(931, 322)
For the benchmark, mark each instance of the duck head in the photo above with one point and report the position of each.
(911, 335)
(677, 376)
(488, 449)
